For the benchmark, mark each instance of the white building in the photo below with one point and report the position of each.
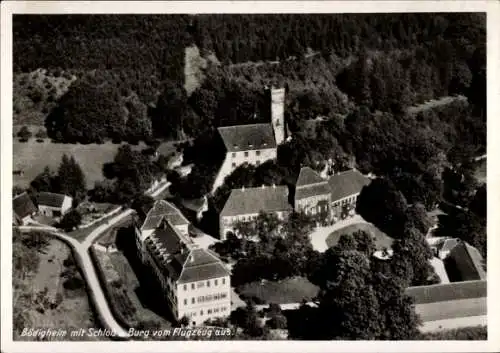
(195, 282)
(246, 204)
(53, 205)
(253, 143)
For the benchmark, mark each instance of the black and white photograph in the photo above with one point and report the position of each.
(206, 172)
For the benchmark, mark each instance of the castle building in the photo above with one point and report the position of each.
(195, 282)
(345, 188)
(253, 143)
(312, 193)
(246, 204)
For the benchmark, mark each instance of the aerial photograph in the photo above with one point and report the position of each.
(249, 177)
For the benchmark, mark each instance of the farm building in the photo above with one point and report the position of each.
(23, 209)
(53, 205)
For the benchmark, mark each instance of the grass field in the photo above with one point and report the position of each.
(291, 290)
(31, 157)
(381, 239)
(451, 309)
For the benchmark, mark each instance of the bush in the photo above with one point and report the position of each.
(39, 140)
(73, 283)
(70, 220)
(24, 134)
(41, 134)
(277, 322)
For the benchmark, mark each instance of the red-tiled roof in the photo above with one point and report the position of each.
(346, 184)
(23, 206)
(247, 137)
(255, 200)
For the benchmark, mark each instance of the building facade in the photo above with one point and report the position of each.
(345, 188)
(245, 204)
(253, 143)
(312, 194)
(195, 283)
(53, 205)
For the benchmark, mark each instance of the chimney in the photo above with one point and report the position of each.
(274, 186)
(263, 186)
(243, 188)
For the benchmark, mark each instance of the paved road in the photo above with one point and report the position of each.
(82, 257)
(319, 235)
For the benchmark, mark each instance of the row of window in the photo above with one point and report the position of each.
(203, 284)
(346, 201)
(206, 298)
(257, 153)
(208, 312)
(233, 165)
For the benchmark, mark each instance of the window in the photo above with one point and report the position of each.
(192, 285)
(223, 281)
(257, 153)
(233, 165)
(216, 310)
(192, 300)
(209, 311)
(185, 302)
(246, 154)
(185, 287)
(233, 154)
(257, 162)
(201, 312)
(208, 283)
(215, 282)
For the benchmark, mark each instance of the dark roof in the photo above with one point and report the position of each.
(468, 261)
(201, 264)
(312, 190)
(447, 292)
(308, 176)
(23, 206)
(247, 137)
(255, 200)
(168, 239)
(50, 199)
(347, 183)
(162, 209)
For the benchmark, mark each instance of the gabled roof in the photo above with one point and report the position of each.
(247, 137)
(163, 210)
(308, 176)
(50, 199)
(23, 206)
(255, 200)
(201, 264)
(346, 184)
(468, 261)
(447, 244)
(447, 292)
(312, 190)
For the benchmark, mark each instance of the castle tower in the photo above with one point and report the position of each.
(278, 113)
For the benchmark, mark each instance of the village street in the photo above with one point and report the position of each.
(82, 258)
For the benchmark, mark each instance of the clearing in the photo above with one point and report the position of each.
(31, 157)
(290, 290)
(381, 239)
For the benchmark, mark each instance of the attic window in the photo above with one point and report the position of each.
(265, 143)
(235, 146)
(250, 145)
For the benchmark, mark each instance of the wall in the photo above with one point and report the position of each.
(226, 223)
(337, 205)
(311, 203)
(47, 210)
(193, 311)
(235, 159)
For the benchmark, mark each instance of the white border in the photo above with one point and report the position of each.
(491, 7)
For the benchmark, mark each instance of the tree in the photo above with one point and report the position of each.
(478, 203)
(70, 220)
(24, 133)
(45, 181)
(383, 205)
(71, 178)
(142, 204)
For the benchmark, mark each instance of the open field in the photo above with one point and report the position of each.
(381, 239)
(451, 309)
(31, 157)
(291, 290)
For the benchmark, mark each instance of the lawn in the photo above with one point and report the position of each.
(381, 239)
(31, 157)
(451, 309)
(291, 290)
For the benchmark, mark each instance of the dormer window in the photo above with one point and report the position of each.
(250, 145)
(235, 146)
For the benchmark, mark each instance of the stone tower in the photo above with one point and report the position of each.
(278, 113)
